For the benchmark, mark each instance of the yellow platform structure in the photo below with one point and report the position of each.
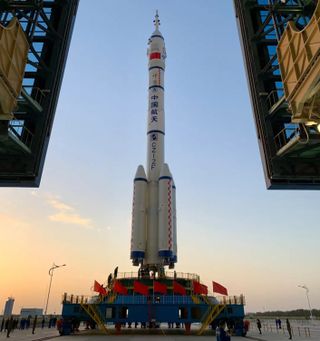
(13, 59)
(299, 61)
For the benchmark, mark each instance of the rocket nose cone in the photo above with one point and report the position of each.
(141, 174)
(157, 33)
(165, 171)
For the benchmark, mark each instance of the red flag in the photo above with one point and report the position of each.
(199, 288)
(159, 287)
(99, 288)
(218, 288)
(178, 288)
(204, 289)
(119, 288)
(196, 288)
(140, 288)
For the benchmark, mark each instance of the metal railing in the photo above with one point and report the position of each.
(153, 299)
(239, 300)
(35, 93)
(168, 275)
(285, 135)
(23, 134)
(16, 126)
(269, 327)
(274, 97)
(78, 299)
(182, 275)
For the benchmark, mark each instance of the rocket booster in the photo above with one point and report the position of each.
(153, 237)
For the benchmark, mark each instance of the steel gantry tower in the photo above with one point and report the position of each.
(24, 137)
(290, 151)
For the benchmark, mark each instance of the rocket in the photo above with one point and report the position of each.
(154, 228)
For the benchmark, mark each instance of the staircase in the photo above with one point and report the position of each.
(93, 311)
(195, 299)
(213, 312)
(112, 297)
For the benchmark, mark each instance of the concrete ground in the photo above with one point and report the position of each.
(162, 334)
(26, 335)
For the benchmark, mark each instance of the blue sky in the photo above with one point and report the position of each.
(230, 228)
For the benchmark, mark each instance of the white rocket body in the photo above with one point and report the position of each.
(154, 236)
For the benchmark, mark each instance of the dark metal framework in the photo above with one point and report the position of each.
(288, 164)
(48, 27)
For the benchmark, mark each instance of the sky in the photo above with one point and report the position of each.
(256, 242)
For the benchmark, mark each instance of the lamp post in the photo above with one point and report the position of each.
(307, 294)
(54, 266)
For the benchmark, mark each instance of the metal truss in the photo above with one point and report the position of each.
(48, 27)
(287, 165)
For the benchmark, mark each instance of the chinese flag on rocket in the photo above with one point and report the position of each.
(119, 288)
(99, 288)
(159, 287)
(218, 288)
(140, 288)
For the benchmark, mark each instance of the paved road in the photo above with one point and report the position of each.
(26, 335)
(52, 334)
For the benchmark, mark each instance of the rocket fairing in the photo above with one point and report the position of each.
(154, 230)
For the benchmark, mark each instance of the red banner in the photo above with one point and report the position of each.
(199, 288)
(140, 288)
(159, 287)
(178, 288)
(119, 288)
(99, 288)
(220, 289)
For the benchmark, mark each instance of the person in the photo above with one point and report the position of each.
(28, 322)
(279, 323)
(9, 326)
(222, 335)
(218, 333)
(259, 325)
(34, 324)
(289, 329)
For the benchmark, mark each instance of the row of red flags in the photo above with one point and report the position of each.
(160, 288)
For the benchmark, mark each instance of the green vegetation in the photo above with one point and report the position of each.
(298, 313)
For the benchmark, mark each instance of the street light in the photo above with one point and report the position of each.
(54, 266)
(307, 294)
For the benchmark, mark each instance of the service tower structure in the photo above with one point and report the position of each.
(154, 227)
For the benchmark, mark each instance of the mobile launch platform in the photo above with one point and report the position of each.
(176, 298)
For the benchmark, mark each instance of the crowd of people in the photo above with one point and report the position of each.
(278, 326)
(224, 332)
(9, 324)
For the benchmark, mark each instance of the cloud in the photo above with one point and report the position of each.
(59, 205)
(67, 214)
(70, 218)
(104, 228)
